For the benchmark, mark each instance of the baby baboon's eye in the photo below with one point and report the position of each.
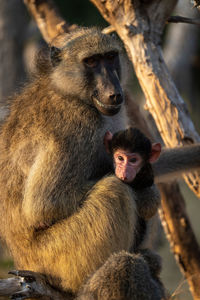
(120, 158)
(133, 160)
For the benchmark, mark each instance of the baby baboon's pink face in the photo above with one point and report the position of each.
(127, 165)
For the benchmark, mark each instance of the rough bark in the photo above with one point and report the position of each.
(180, 234)
(140, 25)
(28, 284)
(181, 44)
(9, 286)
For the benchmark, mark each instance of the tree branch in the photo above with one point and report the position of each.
(140, 27)
(51, 25)
(48, 19)
(180, 234)
(179, 19)
(28, 284)
(9, 286)
(172, 19)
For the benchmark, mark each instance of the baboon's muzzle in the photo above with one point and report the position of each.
(108, 95)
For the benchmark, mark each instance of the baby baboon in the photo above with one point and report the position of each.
(59, 215)
(139, 278)
(132, 153)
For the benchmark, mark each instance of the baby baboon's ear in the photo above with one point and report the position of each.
(55, 55)
(155, 152)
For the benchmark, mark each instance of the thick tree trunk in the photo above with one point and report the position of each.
(140, 25)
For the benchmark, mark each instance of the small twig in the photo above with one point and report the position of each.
(179, 19)
(196, 3)
(172, 19)
(108, 29)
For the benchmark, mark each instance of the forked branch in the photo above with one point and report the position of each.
(140, 25)
(140, 28)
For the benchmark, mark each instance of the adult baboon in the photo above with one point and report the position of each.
(59, 215)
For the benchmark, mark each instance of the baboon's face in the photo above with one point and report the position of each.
(104, 70)
(88, 68)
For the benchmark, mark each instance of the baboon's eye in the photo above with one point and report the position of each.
(133, 160)
(110, 56)
(91, 62)
(120, 158)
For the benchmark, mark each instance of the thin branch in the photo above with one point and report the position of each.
(172, 19)
(179, 19)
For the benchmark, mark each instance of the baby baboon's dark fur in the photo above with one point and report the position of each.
(132, 140)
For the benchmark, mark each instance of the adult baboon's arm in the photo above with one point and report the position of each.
(103, 224)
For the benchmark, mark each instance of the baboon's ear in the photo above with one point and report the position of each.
(55, 55)
(107, 141)
(155, 152)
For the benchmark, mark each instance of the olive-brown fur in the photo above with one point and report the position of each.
(60, 215)
(137, 278)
